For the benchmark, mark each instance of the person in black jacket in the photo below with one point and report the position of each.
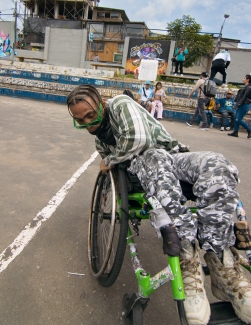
(243, 105)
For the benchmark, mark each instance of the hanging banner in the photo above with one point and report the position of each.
(90, 36)
(148, 70)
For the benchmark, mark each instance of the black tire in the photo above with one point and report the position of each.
(135, 316)
(108, 227)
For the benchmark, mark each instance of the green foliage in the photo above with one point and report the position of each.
(186, 30)
(125, 76)
(176, 80)
(158, 78)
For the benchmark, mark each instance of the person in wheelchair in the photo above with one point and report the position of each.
(126, 133)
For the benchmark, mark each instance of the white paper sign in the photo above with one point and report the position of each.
(148, 70)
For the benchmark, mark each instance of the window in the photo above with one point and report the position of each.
(101, 15)
(120, 47)
(97, 30)
(113, 28)
(114, 15)
(95, 46)
(134, 30)
(117, 57)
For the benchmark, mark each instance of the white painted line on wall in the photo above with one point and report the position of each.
(13, 250)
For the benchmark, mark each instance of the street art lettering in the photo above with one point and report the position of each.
(140, 49)
(147, 50)
(5, 47)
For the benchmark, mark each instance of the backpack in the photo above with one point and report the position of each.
(210, 88)
(211, 104)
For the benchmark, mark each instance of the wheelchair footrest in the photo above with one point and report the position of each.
(222, 313)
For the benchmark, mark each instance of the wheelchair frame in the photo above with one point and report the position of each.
(134, 207)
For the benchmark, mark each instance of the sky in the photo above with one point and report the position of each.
(209, 14)
(157, 13)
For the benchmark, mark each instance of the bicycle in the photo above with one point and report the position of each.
(117, 199)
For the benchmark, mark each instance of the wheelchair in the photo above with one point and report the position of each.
(117, 201)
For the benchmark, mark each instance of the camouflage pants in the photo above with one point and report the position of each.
(215, 180)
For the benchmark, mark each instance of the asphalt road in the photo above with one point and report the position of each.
(40, 151)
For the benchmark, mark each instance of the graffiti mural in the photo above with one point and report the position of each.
(152, 50)
(5, 47)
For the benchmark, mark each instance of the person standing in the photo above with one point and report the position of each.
(225, 106)
(96, 58)
(180, 54)
(243, 105)
(202, 102)
(145, 96)
(220, 63)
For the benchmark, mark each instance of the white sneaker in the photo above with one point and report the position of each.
(224, 85)
(222, 128)
(211, 125)
(228, 128)
(229, 283)
(196, 305)
(175, 74)
(181, 75)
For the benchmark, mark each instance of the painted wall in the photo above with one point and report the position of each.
(139, 49)
(6, 39)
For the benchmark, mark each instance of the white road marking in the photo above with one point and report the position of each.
(13, 250)
(75, 273)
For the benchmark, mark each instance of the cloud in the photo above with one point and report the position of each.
(162, 8)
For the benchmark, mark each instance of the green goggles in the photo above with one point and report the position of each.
(98, 120)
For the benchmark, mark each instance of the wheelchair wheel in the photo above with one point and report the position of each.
(135, 316)
(108, 227)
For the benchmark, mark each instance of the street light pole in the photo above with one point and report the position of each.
(15, 25)
(218, 43)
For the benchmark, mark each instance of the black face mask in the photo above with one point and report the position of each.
(104, 131)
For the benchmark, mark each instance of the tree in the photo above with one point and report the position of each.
(188, 31)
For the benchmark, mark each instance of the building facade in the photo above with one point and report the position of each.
(71, 32)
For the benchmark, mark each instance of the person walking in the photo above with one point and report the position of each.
(209, 108)
(220, 63)
(180, 55)
(243, 105)
(225, 106)
(202, 102)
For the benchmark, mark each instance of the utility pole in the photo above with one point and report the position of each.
(218, 43)
(15, 25)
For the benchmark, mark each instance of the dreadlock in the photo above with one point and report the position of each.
(81, 93)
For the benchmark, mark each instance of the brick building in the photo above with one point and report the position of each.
(61, 27)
